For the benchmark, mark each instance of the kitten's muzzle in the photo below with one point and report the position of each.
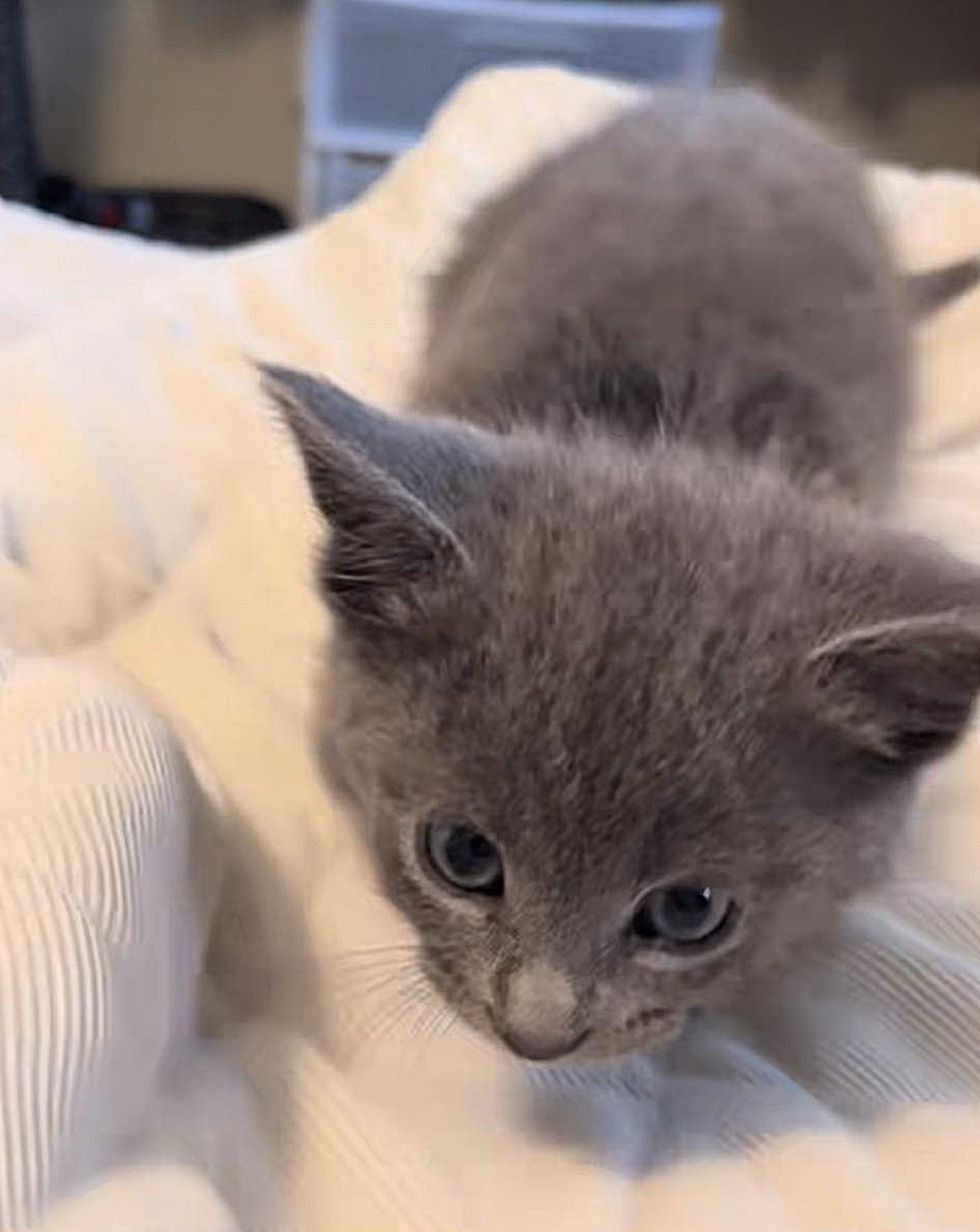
(537, 1014)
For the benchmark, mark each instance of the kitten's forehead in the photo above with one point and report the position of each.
(609, 685)
(577, 680)
(611, 662)
(625, 584)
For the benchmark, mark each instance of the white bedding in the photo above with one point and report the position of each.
(156, 533)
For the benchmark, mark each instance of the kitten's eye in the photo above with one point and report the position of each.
(682, 914)
(464, 857)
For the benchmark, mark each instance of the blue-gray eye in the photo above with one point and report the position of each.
(682, 914)
(464, 857)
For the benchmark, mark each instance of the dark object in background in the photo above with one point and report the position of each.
(18, 162)
(193, 219)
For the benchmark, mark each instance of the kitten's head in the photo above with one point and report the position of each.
(620, 729)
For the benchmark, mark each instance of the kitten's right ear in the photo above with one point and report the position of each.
(389, 489)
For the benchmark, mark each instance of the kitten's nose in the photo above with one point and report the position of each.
(537, 1016)
(540, 1047)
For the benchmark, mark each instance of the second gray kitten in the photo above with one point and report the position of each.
(625, 700)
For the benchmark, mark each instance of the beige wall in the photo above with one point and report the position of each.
(901, 76)
(201, 93)
(207, 92)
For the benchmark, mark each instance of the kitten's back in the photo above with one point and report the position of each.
(705, 267)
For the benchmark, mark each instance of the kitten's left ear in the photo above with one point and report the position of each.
(930, 290)
(901, 692)
(391, 490)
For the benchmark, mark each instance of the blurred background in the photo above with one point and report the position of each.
(211, 121)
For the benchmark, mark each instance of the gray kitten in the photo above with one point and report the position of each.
(627, 703)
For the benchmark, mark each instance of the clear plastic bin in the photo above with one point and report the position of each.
(377, 69)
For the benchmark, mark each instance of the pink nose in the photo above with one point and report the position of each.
(537, 1014)
(540, 1045)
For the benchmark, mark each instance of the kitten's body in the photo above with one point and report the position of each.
(708, 269)
(601, 616)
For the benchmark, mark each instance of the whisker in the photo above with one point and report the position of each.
(410, 1003)
(372, 951)
(365, 994)
(376, 987)
(367, 987)
(394, 963)
(378, 959)
(449, 1020)
(393, 1005)
(429, 1023)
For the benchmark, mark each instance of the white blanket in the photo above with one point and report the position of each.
(152, 514)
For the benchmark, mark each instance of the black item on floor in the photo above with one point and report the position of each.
(192, 219)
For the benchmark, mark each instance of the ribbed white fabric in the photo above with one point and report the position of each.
(99, 936)
(105, 889)
(844, 1097)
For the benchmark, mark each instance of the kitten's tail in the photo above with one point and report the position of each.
(930, 290)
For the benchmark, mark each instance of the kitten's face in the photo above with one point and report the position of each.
(595, 795)
(577, 894)
(619, 732)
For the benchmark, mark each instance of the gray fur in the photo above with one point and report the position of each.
(703, 267)
(578, 609)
